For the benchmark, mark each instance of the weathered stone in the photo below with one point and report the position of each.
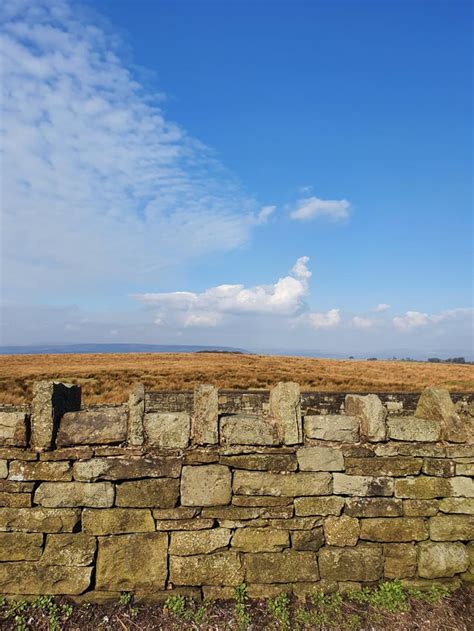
(281, 567)
(460, 429)
(417, 450)
(33, 578)
(132, 562)
(411, 428)
(197, 523)
(82, 452)
(307, 539)
(21, 471)
(335, 427)
(296, 523)
(261, 462)
(3, 468)
(19, 500)
(247, 429)
(422, 488)
(167, 431)
(442, 559)
(13, 429)
(248, 512)
(394, 529)
(341, 531)
(399, 560)
(94, 426)
(440, 467)
(372, 414)
(465, 468)
(260, 540)
(190, 542)
(285, 410)
(206, 485)
(136, 412)
(363, 562)
(153, 493)
(452, 527)
(116, 521)
(126, 468)
(220, 568)
(180, 512)
(462, 486)
(10, 486)
(420, 508)
(356, 450)
(286, 484)
(50, 401)
(305, 506)
(204, 423)
(39, 519)
(320, 459)
(200, 456)
(436, 404)
(69, 549)
(380, 466)
(70, 494)
(463, 505)
(373, 507)
(457, 451)
(362, 485)
(20, 546)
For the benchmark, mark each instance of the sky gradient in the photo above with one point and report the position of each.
(268, 175)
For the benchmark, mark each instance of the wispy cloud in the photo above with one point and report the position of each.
(380, 308)
(415, 319)
(312, 207)
(327, 320)
(362, 323)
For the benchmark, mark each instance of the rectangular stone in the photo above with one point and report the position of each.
(420, 508)
(372, 415)
(287, 566)
(380, 466)
(452, 528)
(204, 422)
(187, 543)
(116, 521)
(320, 459)
(422, 488)
(13, 428)
(305, 506)
(361, 485)
(248, 429)
(364, 562)
(410, 428)
(153, 493)
(417, 450)
(93, 426)
(440, 467)
(261, 462)
(396, 529)
(248, 512)
(39, 519)
(51, 400)
(68, 453)
(285, 410)
(307, 539)
(288, 485)
(20, 546)
(400, 560)
(463, 505)
(15, 453)
(69, 549)
(374, 507)
(462, 486)
(260, 500)
(169, 430)
(260, 540)
(9, 486)
(34, 578)
(70, 494)
(18, 500)
(206, 485)
(220, 568)
(3, 468)
(127, 468)
(336, 427)
(180, 512)
(52, 471)
(198, 523)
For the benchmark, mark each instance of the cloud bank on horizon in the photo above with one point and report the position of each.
(106, 195)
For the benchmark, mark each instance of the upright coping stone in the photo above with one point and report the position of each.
(285, 409)
(136, 414)
(51, 400)
(371, 413)
(204, 424)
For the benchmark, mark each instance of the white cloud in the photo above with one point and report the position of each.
(98, 186)
(311, 207)
(362, 323)
(415, 319)
(327, 320)
(380, 308)
(286, 297)
(264, 214)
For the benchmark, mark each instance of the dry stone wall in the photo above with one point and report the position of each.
(198, 492)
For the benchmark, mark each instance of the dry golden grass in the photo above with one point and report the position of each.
(107, 378)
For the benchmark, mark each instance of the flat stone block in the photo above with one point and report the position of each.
(94, 426)
(109, 521)
(422, 488)
(383, 466)
(285, 410)
(187, 543)
(360, 485)
(153, 493)
(452, 528)
(167, 431)
(411, 428)
(305, 506)
(15, 500)
(281, 567)
(374, 507)
(70, 494)
(34, 578)
(307, 539)
(372, 414)
(400, 560)
(281, 484)
(123, 468)
(247, 429)
(69, 549)
(220, 568)
(20, 546)
(204, 424)
(420, 508)
(261, 462)
(438, 560)
(51, 471)
(336, 427)
(463, 505)
(363, 562)
(51, 400)
(260, 540)
(341, 531)
(320, 459)
(206, 485)
(39, 519)
(396, 529)
(13, 429)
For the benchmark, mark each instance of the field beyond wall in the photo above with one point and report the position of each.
(107, 378)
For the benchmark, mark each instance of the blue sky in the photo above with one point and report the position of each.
(151, 148)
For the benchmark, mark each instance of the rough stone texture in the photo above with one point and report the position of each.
(438, 560)
(374, 507)
(153, 493)
(394, 529)
(261, 462)
(21, 471)
(400, 560)
(285, 409)
(422, 488)
(69, 549)
(102, 425)
(13, 429)
(463, 505)
(305, 506)
(307, 539)
(221, 568)
(341, 531)
(184, 524)
(452, 528)
(320, 459)
(33, 578)
(288, 485)
(260, 500)
(70, 494)
(361, 485)
(50, 401)
(126, 468)
(372, 414)
(334, 427)
(136, 412)
(39, 519)
(132, 562)
(116, 521)
(206, 485)
(204, 423)
(393, 466)
(3, 468)
(439, 467)
(420, 508)
(281, 567)
(462, 486)
(436, 404)
(411, 428)
(363, 562)
(167, 430)
(188, 543)
(18, 500)
(20, 546)
(246, 429)
(260, 540)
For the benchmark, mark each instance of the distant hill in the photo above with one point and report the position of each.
(65, 349)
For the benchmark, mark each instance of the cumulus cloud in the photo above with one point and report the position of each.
(327, 320)
(286, 297)
(380, 308)
(415, 319)
(312, 207)
(362, 323)
(98, 185)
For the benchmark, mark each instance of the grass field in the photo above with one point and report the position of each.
(107, 378)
